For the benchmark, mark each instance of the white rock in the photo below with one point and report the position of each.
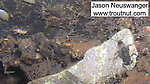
(4, 15)
(30, 1)
(101, 62)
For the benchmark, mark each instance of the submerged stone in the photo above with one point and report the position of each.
(102, 62)
(99, 63)
(4, 15)
(30, 1)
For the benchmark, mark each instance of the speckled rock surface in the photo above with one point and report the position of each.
(102, 62)
(99, 63)
(63, 77)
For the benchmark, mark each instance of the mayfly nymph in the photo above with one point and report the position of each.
(19, 31)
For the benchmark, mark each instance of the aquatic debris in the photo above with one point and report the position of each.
(137, 45)
(19, 31)
(148, 28)
(38, 56)
(81, 47)
(4, 15)
(68, 44)
(145, 51)
(42, 12)
(143, 64)
(30, 1)
(139, 78)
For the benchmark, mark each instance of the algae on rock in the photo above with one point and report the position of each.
(99, 63)
(102, 62)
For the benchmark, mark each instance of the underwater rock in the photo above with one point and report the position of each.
(63, 77)
(30, 1)
(4, 15)
(99, 63)
(102, 62)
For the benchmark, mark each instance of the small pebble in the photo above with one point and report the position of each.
(4, 15)
(145, 51)
(148, 28)
(30, 1)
